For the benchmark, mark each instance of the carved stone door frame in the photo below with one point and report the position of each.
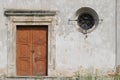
(30, 18)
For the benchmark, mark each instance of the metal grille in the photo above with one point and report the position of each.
(86, 21)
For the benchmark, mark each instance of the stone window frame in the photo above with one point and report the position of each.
(90, 11)
(30, 18)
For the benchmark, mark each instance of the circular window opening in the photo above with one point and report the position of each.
(86, 21)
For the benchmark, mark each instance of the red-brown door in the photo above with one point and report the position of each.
(31, 50)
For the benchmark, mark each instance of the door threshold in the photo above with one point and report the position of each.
(31, 76)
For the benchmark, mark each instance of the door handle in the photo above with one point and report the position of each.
(32, 51)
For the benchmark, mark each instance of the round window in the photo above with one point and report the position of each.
(86, 21)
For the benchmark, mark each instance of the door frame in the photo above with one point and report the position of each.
(13, 21)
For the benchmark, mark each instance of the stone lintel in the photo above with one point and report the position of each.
(30, 13)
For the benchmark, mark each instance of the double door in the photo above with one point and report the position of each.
(31, 50)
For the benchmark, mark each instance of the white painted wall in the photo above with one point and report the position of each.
(72, 50)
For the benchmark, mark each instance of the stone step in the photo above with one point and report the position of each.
(58, 78)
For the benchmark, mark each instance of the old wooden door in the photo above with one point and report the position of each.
(31, 57)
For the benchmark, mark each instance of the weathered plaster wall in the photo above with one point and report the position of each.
(118, 32)
(72, 49)
(98, 49)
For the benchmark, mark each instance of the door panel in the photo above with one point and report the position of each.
(24, 56)
(31, 50)
(23, 61)
(40, 50)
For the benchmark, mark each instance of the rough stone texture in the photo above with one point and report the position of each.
(72, 49)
